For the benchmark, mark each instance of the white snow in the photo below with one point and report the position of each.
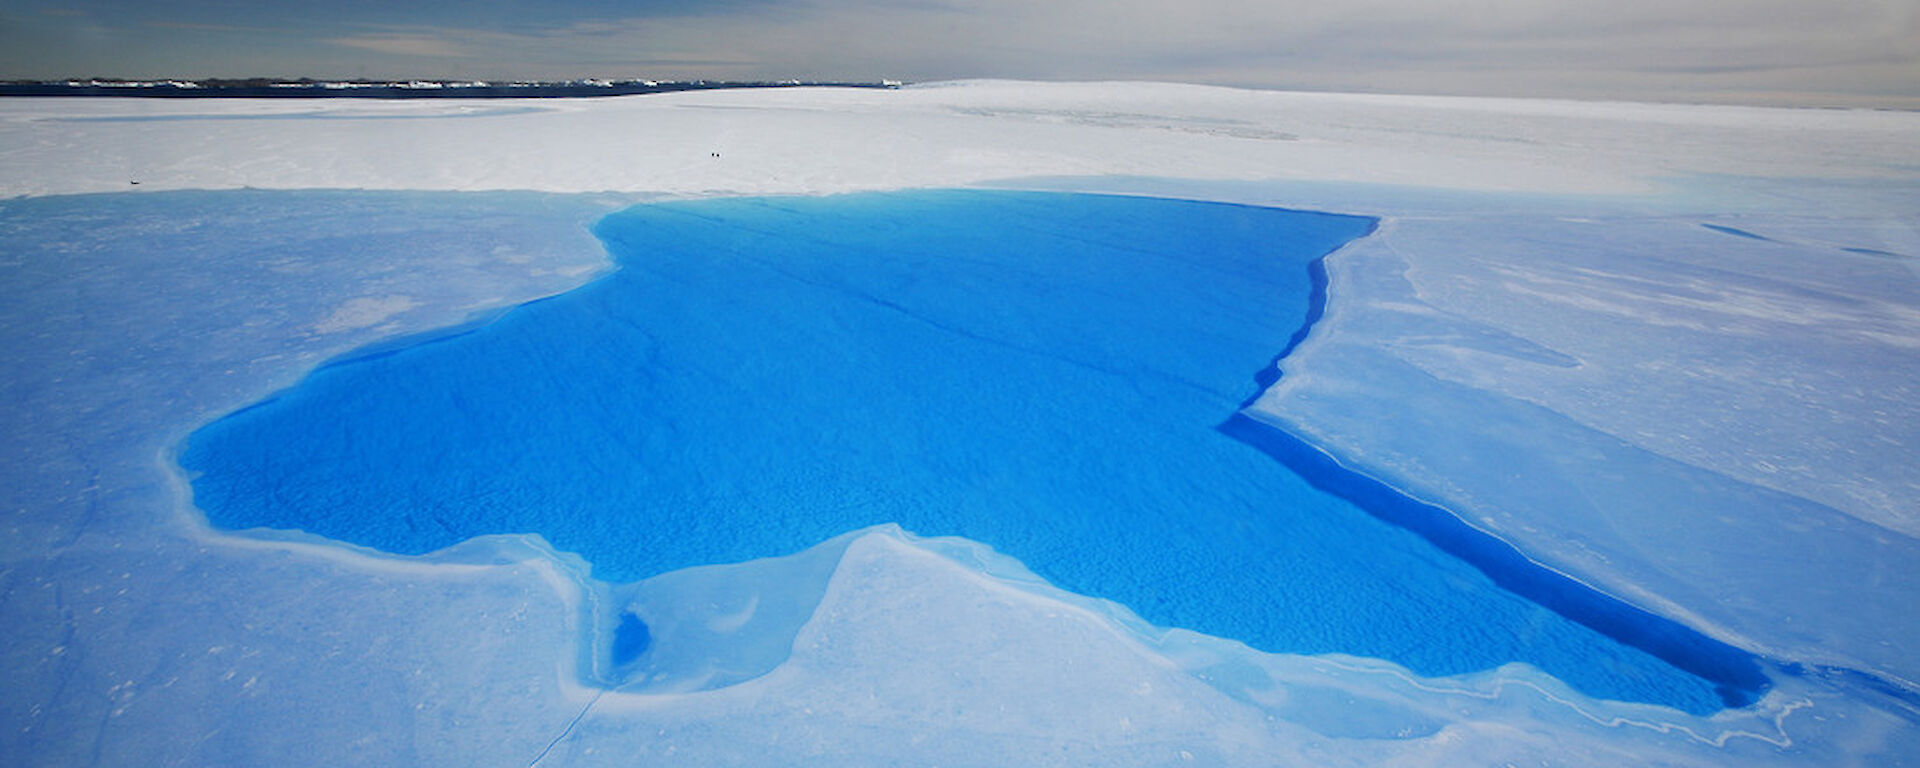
(828, 140)
(1541, 337)
(364, 312)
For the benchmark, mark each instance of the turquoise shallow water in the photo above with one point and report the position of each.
(1040, 372)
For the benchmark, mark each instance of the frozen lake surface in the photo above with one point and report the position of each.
(1043, 373)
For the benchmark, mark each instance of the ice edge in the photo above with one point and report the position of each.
(1738, 674)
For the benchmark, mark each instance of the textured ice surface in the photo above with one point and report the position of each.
(197, 647)
(136, 637)
(1649, 350)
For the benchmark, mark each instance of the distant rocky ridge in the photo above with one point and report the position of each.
(305, 88)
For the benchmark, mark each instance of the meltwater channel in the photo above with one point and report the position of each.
(1051, 374)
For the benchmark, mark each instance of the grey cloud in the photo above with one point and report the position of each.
(403, 45)
(1815, 49)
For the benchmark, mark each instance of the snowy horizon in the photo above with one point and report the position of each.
(412, 86)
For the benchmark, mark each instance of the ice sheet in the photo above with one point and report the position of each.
(837, 140)
(151, 639)
(137, 637)
(1664, 350)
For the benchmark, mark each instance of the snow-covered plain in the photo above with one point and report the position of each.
(1666, 350)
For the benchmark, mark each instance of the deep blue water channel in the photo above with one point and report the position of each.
(1041, 372)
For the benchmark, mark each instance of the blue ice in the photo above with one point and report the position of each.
(1044, 373)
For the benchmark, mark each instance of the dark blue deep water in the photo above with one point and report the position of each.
(1045, 373)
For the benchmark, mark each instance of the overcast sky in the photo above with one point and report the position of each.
(1762, 51)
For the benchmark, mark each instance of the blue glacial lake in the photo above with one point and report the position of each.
(1045, 373)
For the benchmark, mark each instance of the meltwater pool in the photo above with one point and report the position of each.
(1046, 373)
